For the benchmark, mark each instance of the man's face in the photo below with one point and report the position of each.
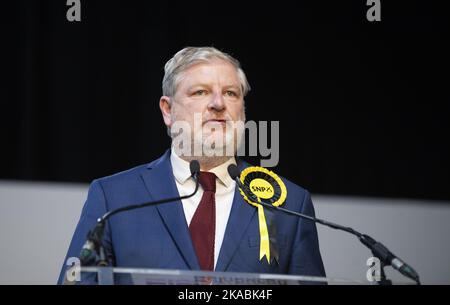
(213, 92)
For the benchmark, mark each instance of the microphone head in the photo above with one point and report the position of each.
(233, 171)
(194, 166)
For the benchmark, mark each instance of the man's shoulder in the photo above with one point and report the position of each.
(129, 176)
(124, 175)
(296, 192)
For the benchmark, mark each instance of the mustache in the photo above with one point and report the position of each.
(224, 119)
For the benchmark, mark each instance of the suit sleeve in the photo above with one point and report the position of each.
(306, 258)
(94, 207)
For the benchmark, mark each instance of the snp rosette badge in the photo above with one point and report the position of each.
(267, 186)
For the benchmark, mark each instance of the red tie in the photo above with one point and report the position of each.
(203, 223)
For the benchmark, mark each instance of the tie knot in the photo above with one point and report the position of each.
(207, 181)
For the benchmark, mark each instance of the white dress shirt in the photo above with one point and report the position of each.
(224, 195)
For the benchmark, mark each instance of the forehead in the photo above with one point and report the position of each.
(216, 71)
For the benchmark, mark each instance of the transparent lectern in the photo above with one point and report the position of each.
(116, 275)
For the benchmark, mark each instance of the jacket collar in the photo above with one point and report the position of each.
(160, 183)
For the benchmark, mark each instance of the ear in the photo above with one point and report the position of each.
(166, 110)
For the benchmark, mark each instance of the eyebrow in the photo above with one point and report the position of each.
(234, 86)
(198, 85)
(238, 88)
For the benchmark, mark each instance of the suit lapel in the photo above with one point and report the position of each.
(160, 184)
(241, 215)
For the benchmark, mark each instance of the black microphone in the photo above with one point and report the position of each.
(93, 243)
(379, 250)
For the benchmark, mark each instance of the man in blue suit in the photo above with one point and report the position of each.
(203, 94)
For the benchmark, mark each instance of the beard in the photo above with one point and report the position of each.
(218, 141)
(222, 140)
(204, 139)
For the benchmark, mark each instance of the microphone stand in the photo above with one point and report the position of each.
(95, 237)
(378, 250)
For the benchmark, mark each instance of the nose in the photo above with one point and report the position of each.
(216, 103)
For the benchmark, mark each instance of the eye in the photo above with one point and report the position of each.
(231, 93)
(199, 92)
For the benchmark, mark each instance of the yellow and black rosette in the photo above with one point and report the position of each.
(267, 186)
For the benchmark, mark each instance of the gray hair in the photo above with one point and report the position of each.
(190, 56)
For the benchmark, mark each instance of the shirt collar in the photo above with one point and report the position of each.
(182, 172)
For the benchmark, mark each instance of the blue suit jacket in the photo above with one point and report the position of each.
(158, 236)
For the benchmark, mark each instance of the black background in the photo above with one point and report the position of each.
(363, 106)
